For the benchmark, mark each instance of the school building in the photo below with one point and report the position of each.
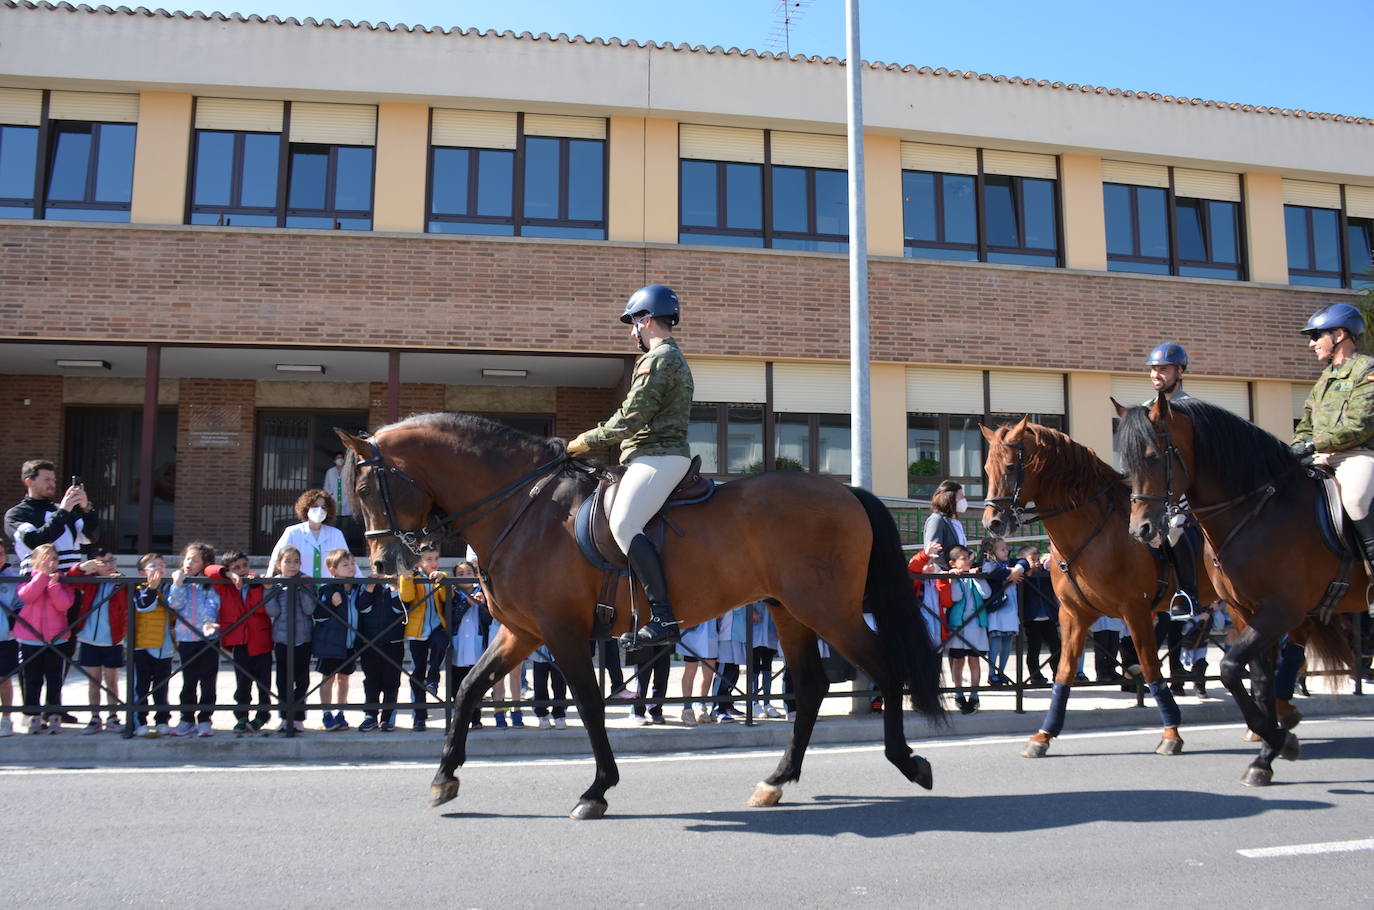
(221, 236)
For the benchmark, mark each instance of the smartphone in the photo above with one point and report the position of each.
(76, 480)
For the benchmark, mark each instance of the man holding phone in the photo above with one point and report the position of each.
(38, 519)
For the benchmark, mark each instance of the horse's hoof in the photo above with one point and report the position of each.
(765, 794)
(1252, 737)
(1169, 747)
(1291, 719)
(588, 809)
(1257, 777)
(922, 774)
(1036, 749)
(443, 793)
(1291, 748)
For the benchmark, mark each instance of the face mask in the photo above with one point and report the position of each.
(961, 506)
(316, 515)
(338, 462)
(639, 339)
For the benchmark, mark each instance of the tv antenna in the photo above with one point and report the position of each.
(785, 16)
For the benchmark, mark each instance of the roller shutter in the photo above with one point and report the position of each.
(933, 390)
(1026, 392)
(1359, 201)
(808, 150)
(1206, 185)
(239, 114)
(473, 129)
(1315, 195)
(565, 127)
(21, 106)
(742, 381)
(1300, 393)
(720, 143)
(1135, 174)
(1230, 394)
(334, 124)
(98, 107)
(1132, 390)
(944, 159)
(819, 388)
(1019, 164)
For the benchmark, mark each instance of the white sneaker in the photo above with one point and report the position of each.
(705, 717)
(791, 717)
(689, 716)
(55, 723)
(143, 730)
(770, 711)
(285, 726)
(185, 728)
(642, 720)
(35, 724)
(560, 723)
(163, 730)
(546, 721)
(113, 724)
(204, 730)
(6, 727)
(300, 726)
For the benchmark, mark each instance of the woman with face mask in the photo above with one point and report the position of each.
(315, 536)
(943, 525)
(333, 485)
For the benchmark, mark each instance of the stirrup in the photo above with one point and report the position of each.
(1182, 605)
(654, 632)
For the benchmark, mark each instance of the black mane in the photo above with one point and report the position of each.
(1229, 448)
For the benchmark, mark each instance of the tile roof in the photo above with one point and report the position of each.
(926, 71)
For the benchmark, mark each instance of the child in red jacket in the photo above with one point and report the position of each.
(934, 593)
(103, 618)
(247, 636)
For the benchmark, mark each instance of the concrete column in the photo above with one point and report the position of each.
(1266, 243)
(161, 156)
(1090, 411)
(398, 198)
(1085, 229)
(642, 194)
(883, 182)
(887, 398)
(1273, 405)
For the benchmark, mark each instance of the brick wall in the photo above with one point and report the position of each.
(32, 430)
(581, 409)
(442, 291)
(416, 398)
(215, 480)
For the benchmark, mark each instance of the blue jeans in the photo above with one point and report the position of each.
(999, 650)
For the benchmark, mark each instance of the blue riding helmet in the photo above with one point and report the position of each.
(1336, 316)
(656, 300)
(1168, 352)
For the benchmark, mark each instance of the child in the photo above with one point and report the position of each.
(104, 616)
(291, 609)
(1003, 608)
(1040, 612)
(546, 672)
(335, 635)
(730, 656)
(968, 627)
(9, 648)
(424, 596)
(698, 649)
(381, 643)
(765, 652)
(196, 609)
(934, 593)
(472, 628)
(247, 636)
(41, 623)
(153, 645)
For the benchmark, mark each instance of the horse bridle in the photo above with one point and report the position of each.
(412, 540)
(1173, 504)
(1020, 513)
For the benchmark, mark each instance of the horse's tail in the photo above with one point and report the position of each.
(1330, 647)
(891, 597)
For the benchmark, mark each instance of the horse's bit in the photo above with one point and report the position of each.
(1017, 510)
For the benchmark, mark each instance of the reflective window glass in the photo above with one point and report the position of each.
(965, 445)
(586, 179)
(698, 194)
(214, 168)
(1295, 232)
(1326, 240)
(918, 205)
(1116, 202)
(18, 160)
(261, 162)
(832, 202)
(353, 179)
(495, 182)
(1360, 237)
(15, 211)
(1037, 200)
(789, 200)
(703, 437)
(744, 440)
(833, 444)
(721, 240)
(1001, 211)
(792, 451)
(922, 454)
(1222, 227)
(936, 252)
(960, 202)
(449, 181)
(70, 161)
(541, 177)
(472, 227)
(811, 245)
(114, 173)
(1152, 207)
(309, 171)
(744, 196)
(1188, 217)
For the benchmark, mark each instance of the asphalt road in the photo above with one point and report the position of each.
(1102, 822)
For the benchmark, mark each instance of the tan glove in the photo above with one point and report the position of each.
(578, 447)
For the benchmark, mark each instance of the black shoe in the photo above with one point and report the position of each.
(1176, 688)
(69, 719)
(973, 705)
(962, 704)
(662, 627)
(659, 630)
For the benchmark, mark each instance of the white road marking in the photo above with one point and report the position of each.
(1335, 846)
(719, 754)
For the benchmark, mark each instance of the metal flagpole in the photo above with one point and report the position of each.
(860, 430)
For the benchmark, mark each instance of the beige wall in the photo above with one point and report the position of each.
(1267, 245)
(643, 172)
(114, 390)
(1085, 231)
(161, 153)
(1090, 411)
(402, 148)
(887, 396)
(285, 393)
(660, 181)
(883, 192)
(1273, 406)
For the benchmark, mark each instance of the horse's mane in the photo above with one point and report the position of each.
(1229, 448)
(1067, 471)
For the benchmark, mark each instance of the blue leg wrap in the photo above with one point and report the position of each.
(1164, 700)
(1054, 717)
(1286, 673)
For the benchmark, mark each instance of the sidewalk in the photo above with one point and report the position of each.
(1089, 708)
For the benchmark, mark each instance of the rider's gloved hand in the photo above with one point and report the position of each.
(578, 447)
(1303, 448)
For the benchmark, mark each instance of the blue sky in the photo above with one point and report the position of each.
(1279, 53)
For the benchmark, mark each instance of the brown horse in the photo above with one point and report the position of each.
(820, 553)
(1098, 570)
(1257, 510)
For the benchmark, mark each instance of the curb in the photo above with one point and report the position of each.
(73, 750)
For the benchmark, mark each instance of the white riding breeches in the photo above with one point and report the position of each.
(1355, 476)
(643, 490)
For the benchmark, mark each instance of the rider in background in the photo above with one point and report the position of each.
(1338, 417)
(651, 428)
(1168, 362)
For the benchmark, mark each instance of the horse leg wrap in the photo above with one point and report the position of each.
(1054, 717)
(1164, 700)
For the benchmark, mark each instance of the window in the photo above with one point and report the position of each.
(1137, 228)
(944, 446)
(1315, 254)
(1019, 225)
(531, 186)
(1208, 233)
(18, 164)
(722, 203)
(1204, 243)
(236, 178)
(1022, 223)
(90, 171)
(810, 209)
(940, 215)
(1359, 233)
(330, 187)
(728, 437)
(816, 443)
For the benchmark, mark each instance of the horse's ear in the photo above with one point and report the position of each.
(987, 434)
(355, 445)
(1160, 409)
(1120, 411)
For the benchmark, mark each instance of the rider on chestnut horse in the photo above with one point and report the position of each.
(651, 428)
(1168, 362)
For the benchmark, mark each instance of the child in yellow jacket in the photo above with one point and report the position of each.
(425, 597)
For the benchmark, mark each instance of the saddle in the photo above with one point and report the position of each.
(593, 525)
(1331, 518)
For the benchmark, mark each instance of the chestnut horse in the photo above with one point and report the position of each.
(820, 553)
(1098, 569)
(1257, 509)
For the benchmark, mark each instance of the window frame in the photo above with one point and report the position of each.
(236, 179)
(1345, 276)
(813, 419)
(29, 202)
(1175, 261)
(722, 442)
(1170, 230)
(331, 188)
(910, 243)
(49, 134)
(943, 430)
(721, 228)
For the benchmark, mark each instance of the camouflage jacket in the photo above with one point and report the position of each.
(1339, 411)
(654, 416)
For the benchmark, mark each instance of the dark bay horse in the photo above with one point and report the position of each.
(820, 553)
(1257, 509)
(1098, 568)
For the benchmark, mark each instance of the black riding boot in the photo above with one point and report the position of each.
(662, 627)
(1364, 529)
(1200, 678)
(1184, 560)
